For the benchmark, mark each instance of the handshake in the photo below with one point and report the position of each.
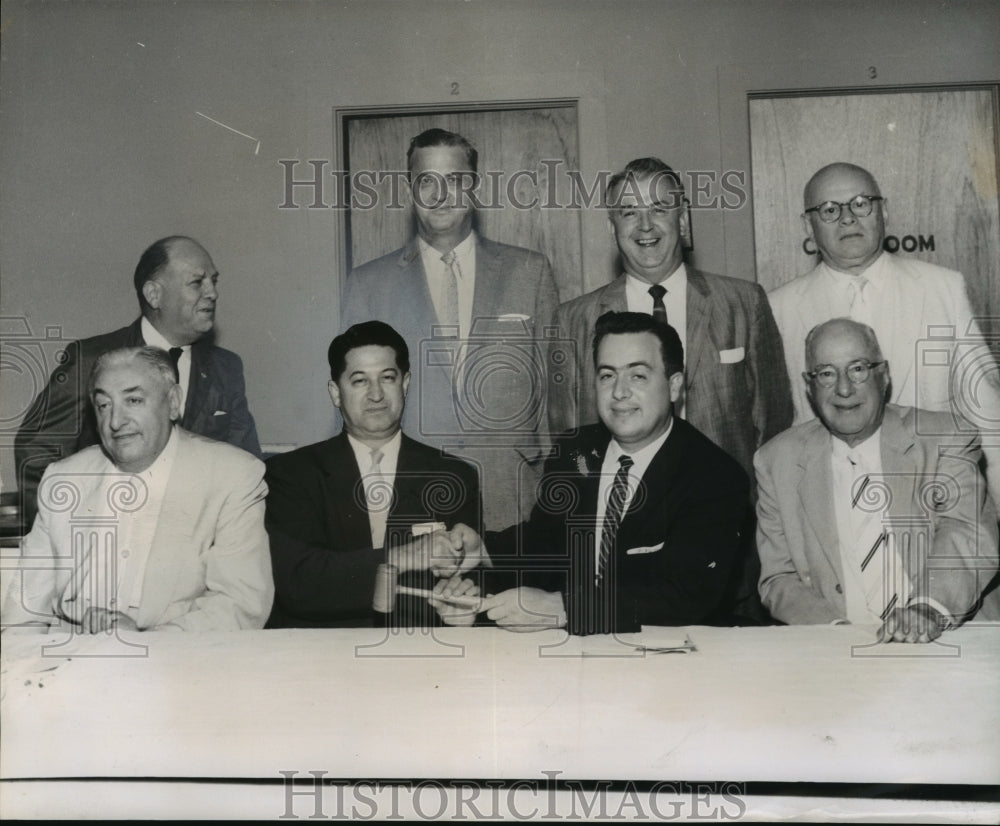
(444, 553)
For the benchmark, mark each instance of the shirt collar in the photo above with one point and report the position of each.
(867, 452)
(363, 453)
(461, 249)
(671, 281)
(642, 457)
(154, 338)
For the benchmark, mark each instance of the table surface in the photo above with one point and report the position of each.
(808, 704)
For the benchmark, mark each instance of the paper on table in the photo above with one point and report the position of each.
(639, 644)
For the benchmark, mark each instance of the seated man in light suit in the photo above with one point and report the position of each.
(176, 284)
(182, 518)
(638, 518)
(838, 495)
(472, 311)
(914, 307)
(370, 496)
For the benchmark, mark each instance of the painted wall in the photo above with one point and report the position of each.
(102, 149)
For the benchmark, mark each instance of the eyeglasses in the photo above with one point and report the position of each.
(860, 206)
(858, 372)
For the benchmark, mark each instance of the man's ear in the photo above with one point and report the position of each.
(174, 398)
(334, 390)
(676, 382)
(808, 227)
(152, 292)
(406, 382)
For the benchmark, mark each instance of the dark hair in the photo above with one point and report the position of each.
(366, 333)
(671, 349)
(641, 168)
(442, 137)
(155, 358)
(154, 259)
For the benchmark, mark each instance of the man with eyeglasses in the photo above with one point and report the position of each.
(907, 302)
(862, 519)
(472, 312)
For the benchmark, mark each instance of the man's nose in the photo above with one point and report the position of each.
(621, 389)
(210, 289)
(844, 386)
(375, 391)
(117, 416)
(846, 216)
(645, 222)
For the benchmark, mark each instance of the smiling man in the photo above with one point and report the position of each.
(639, 517)
(155, 529)
(472, 311)
(176, 283)
(370, 496)
(839, 498)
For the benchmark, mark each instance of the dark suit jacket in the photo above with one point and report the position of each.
(676, 544)
(497, 418)
(317, 519)
(930, 483)
(61, 420)
(738, 399)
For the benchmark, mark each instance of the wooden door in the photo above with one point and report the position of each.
(934, 155)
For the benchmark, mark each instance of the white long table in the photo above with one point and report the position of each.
(813, 704)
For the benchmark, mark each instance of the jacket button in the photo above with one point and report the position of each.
(840, 590)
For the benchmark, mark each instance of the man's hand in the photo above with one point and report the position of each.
(526, 609)
(99, 620)
(435, 551)
(471, 546)
(449, 612)
(919, 623)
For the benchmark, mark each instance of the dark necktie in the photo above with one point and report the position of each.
(613, 514)
(175, 357)
(659, 308)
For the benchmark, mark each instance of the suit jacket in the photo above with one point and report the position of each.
(317, 518)
(926, 302)
(801, 571)
(208, 567)
(493, 414)
(676, 545)
(61, 420)
(734, 392)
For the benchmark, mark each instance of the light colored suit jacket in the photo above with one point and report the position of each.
(495, 418)
(209, 568)
(933, 483)
(733, 392)
(926, 331)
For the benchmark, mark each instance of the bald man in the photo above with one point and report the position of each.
(177, 286)
(907, 302)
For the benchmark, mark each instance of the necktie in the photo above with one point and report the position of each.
(659, 308)
(883, 577)
(378, 497)
(859, 305)
(448, 311)
(613, 514)
(175, 357)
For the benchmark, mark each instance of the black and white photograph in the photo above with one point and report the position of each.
(500, 410)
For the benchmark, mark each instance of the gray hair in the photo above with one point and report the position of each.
(155, 358)
(866, 332)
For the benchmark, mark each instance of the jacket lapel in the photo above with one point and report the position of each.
(176, 523)
(899, 465)
(613, 298)
(346, 512)
(699, 340)
(815, 487)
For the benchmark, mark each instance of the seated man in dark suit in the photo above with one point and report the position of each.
(638, 518)
(338, 510)
(175, 281)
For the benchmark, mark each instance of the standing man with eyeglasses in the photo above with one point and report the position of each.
(910, 304)
(863, 519)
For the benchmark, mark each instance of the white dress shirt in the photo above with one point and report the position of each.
(437, 271)
(153, 338)
(386, 477)
(641, 459)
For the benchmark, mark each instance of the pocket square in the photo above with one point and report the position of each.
(219, 413)
(647, 549)
(731, 356)
(513, 317)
